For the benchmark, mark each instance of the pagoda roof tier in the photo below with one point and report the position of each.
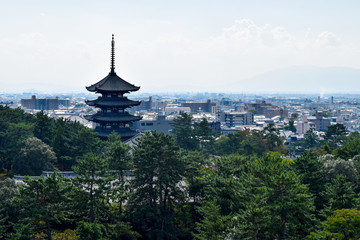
(112, 83)
(113, 117)
(113, 102)
(124, 133)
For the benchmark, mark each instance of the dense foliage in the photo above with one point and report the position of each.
(27, 140)
(192, 185)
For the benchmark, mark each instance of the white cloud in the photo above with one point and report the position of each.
(242, 50)
(168, 57)
(328, 39)
(245, 31)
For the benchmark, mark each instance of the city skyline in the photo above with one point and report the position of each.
(232, 46)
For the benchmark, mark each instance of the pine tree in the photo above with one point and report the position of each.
(184, 132)
(338, 194)
(93, 185)
(44, 204)
(205, 135)
(158, 171)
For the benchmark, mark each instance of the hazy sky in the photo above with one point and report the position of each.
(63, 46)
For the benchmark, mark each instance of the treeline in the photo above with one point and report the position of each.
(193, 185)
(30, 143)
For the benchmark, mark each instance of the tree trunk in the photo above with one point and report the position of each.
(91, 210)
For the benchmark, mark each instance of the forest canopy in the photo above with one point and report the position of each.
(193, 184)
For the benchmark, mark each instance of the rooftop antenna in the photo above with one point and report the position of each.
(112, 55)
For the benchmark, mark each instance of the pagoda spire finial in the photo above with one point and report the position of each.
(112, 55)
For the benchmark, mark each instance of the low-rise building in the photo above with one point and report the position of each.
(321, 123)
(233, 119)
(159, 124)
(304, 125)
(208, 106)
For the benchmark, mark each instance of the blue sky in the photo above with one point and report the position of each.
(59, 46)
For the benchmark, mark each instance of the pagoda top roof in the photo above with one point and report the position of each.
(112, 82)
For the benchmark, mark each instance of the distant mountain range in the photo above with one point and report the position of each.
(293, 80)
(301, 80)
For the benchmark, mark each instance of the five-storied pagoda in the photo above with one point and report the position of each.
(112, 104)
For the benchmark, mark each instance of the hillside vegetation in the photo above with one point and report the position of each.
(192, 185)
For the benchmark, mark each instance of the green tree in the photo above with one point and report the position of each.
(205, 135)
(278, 191)
(255, 144)
(325, 149)
(85, 141)
(118, 154)
(17, 115)
(158, 171)
(291, 125)
(344, 224)
(93, 186)
(91, 230)
(15, 127)
(12, 137)
(71, 141)
(350, 148)
(184, 132)
(8, 190)
(123, 230)
(61, 147)
(311, 140)
(197, 171)
(335, 131)
(120, 160)
(224, 183)
(44, 127)
(34, 157)
(334, 166)
(311, 170)
(225, 146)
(231, 143)
(339, 194)
(253, 221)
(264, 198)
(271, 136)
(213, 225)
(292, 119)
(335, 135)
(44, 204)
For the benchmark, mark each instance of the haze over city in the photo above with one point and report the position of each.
(190, 46)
